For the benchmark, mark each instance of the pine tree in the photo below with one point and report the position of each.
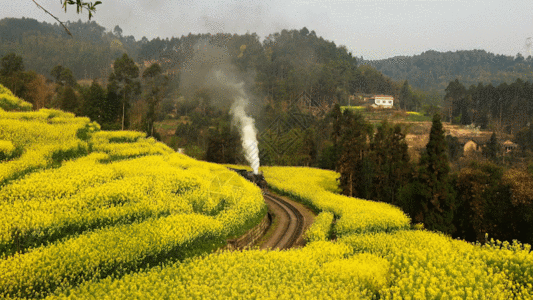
(438, 198)
(405, 96)
(492, 149)
(390, 159)
(353, 164)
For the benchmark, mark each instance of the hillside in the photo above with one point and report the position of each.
(433, 70)
(116, 214)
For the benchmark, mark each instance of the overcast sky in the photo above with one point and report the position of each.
(374, 29)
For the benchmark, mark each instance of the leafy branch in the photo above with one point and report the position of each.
(89, 6)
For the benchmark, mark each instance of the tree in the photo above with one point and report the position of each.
(390, 159)
(11, 64)
(222, 143)
(63, 76)
(12, 74)
(455, 99)
(94, 103)
(438, 206)
(405, 96)
(353, 165)
(308, 150)
(430, 197)
(117, 31)
(455, 149)
(122, 82)
(155, 85)
(492, 149)
(68, 100)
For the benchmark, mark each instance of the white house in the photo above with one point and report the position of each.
(384, 101)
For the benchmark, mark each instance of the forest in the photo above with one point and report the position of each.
(433, 70)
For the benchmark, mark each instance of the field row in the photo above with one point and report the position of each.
(117, 203)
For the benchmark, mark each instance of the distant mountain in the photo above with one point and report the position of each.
(433, 70)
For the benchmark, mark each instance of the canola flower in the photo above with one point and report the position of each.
(315, 188)
(423, 265)
(129, 203)
(7, 150)
(10, 102)
(109, 251)
(313, 272)
(320, 230)
(44, 137)
(197, 221)
(85, 194)
(429, 265)
(126, 144)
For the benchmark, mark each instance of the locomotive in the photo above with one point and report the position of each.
(257, 179)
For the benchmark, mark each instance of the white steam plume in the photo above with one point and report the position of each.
(245, 122)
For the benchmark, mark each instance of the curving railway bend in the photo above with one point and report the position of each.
(291, 219)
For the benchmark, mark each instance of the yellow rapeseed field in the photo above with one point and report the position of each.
(90, 214)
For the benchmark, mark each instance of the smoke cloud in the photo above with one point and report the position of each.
(209, 70)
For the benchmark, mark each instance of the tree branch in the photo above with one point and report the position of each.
(62, 24)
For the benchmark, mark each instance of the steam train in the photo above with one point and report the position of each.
(257, 179)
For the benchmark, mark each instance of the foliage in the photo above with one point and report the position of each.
(321, 229)
(11, 63)
(455, 149)
(353, 150)
(314, 188)
(95, 216)
(80, 5)
(502, 108)
(123, 86)
(45, 138)
(63, 76)
(390, 160)
(433, 70)
(427, 265)
(9, 102)
(312, 272)
(435, 195)
(492, 149)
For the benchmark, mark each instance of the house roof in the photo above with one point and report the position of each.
(480, 140)
(509, 143)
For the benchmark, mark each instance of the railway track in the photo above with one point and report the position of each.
(290, 223)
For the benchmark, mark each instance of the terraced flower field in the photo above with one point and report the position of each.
(88, 214)
(100, 204)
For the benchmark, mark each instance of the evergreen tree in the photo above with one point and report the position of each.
(337, 118)
(438, 201)
(405, 96)
(63, 76)
(68, 100)
(308, 149)
(222, 143)
(492, 148)
(390, 161)
(455, 149)
(353, 165)
(95, 99)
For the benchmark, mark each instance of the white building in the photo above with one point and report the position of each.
(384, 101)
